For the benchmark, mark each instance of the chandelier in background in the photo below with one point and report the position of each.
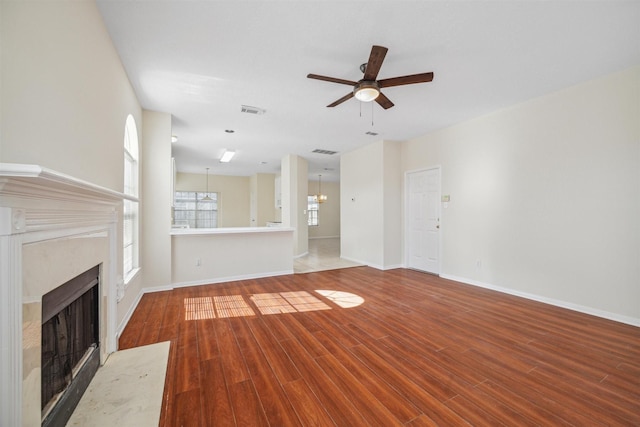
(320, 198)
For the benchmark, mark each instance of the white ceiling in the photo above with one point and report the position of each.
(202, 60)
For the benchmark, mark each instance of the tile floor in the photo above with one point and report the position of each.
(324, 254)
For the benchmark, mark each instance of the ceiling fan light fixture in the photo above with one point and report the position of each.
(366, 91)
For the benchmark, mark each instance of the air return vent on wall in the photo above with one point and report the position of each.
(320, 151)
(252, 110)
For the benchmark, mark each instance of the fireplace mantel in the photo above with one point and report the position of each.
(34, 189)
(42, 206)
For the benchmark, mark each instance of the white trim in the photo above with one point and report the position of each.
(128, 314)
(38, 183)
(227, 230)
(301, 255)
(364, 263)
(376, 266)
(393, 266)
(324, 237)
(132, 275)
(551, 301)
(228, 279)
(10, 330)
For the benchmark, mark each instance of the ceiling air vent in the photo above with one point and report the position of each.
(328, 152)
(252, 110)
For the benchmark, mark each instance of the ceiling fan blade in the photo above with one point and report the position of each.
(384, 101)
(341, 100)
(332, 79)
(375, 62)
(406, 80)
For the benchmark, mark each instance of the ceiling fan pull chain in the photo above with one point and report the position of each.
(372, 114)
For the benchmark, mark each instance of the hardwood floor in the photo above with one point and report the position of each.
(419, 351)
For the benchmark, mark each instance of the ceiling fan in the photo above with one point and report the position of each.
(368, 88)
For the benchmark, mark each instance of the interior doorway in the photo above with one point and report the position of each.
(422, 235)
(324, 254)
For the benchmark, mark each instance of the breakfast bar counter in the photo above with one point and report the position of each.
(214, 255)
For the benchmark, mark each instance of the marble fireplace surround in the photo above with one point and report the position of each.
(52, 228)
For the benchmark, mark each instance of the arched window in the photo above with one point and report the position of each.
(130, 214)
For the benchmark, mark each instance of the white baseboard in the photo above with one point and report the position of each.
(324, 237)
(127, 316)
(230, 279)
(357, 261)
(558, 303)
(392, 267)
(376, 266)
(301, 255)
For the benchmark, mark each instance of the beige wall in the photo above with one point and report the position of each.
(329, 215)
(65, 97)
(294, 201)
(546, 196)
(155, 215)
(370, 205)
(233, 195)
(263, 201)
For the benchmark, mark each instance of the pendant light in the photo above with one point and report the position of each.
(207, 198)
(320, 198)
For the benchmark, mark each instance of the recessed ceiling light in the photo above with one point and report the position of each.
(174, 138)
(229, 130)
(227, 156)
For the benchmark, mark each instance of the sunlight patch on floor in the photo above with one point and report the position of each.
(343, 299)
(267, 303)
(198, 308)
(272, 304)
(304, 301)
(232, 306)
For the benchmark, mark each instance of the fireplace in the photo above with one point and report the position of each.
(70, 339)
(53, 228)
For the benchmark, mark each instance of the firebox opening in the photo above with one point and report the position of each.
(70, 338)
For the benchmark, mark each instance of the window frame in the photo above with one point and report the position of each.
(195, 197)
(131, 204)
(313, 212)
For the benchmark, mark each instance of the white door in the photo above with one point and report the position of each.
(423, 220)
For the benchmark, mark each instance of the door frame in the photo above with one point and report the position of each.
(407, 213)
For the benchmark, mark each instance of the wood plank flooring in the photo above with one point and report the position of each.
(420, 351)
